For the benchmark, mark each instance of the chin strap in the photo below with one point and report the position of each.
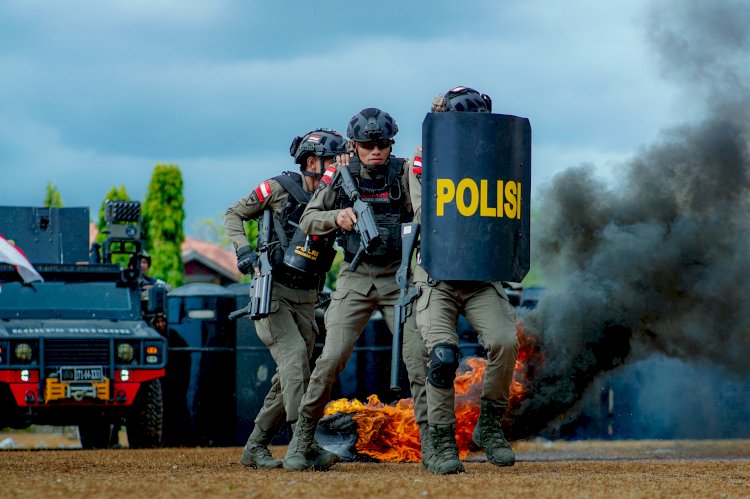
(314, 175)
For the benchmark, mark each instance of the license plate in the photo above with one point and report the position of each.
(71, 374)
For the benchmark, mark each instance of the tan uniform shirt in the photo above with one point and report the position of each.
(268, 193)
(319, 218)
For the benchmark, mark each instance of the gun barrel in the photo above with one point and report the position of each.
(239, 313)
(396, 348)
(264, 308)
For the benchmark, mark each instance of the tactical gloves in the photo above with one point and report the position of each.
(246, 259)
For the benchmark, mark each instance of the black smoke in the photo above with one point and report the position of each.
(658, 260)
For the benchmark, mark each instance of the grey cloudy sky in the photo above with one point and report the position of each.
(94, 94)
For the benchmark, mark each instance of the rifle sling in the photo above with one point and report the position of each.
(290, 181)
(293, 187)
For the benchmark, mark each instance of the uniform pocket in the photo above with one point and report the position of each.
(274, 306)
(505, 305)
(336, 308)
(422, 315)
(500, 290)
(339, 294)
(264, 327)
(423, 300)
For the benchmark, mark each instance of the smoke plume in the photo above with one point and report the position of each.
(656, 261)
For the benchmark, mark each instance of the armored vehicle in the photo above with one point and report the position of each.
(76, 348)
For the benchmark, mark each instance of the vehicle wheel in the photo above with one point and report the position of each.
(95, 435)
(144, 425)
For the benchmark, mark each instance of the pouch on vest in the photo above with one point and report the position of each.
(310, 254)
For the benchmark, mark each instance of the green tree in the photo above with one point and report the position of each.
(251, 229)
(333, 274)
(163, 217)
(213, 231)
(52, 198)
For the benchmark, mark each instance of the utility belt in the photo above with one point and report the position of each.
(291, 278)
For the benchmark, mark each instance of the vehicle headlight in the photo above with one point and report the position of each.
(24, 352)
(125, 352)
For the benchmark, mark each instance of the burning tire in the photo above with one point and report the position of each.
(144, 426)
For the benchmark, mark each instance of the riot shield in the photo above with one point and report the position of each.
(476, 194)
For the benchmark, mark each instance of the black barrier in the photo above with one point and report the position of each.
(476, 193)
(48, 235)
(199, 387)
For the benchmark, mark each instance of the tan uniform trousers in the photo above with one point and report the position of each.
(289, 332)
(346, 317)
(485, 305)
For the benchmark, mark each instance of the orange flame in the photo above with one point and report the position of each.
(389, 432)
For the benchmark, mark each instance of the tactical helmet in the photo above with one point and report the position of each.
(321, 142)
(462, 99)
(146, 256)
(371, 124)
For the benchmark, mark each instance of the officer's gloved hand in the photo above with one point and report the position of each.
(246, 259)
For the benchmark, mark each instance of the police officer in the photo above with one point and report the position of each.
(289, 331)
(382, 183)
(486, 307)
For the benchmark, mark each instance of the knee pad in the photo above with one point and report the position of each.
(443, 365)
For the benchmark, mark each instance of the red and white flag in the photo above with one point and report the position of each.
(14, 256)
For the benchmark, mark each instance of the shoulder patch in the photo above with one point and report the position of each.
(252, 199)
(327, 177)
(263, 191)
(416, 165)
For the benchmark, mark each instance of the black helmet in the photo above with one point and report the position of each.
(462, 99)
(371, 124)
(321, 142)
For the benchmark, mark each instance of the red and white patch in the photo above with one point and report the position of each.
(328, 175)
(374, 196)
(314, 139)
(263, 191)
(417, 166)
(458, 89)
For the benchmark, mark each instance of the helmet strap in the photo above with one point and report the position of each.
(319, 174)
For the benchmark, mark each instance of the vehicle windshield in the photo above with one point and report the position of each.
(66, 300)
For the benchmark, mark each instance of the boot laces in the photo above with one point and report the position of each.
(305, 435)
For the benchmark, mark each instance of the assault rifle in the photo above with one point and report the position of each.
(407, 295)
(260, 302)
(369, 236)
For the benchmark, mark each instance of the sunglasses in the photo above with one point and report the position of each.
(372, 144)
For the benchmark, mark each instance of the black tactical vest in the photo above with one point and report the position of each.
(285, 230)
(387, 197)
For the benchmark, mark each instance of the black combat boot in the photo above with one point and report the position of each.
(424, 439)
(256, 453)
(489, 434)
(322, 459)
(298, 454)
(444, 459)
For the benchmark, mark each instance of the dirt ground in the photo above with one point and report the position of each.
(697, 468)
